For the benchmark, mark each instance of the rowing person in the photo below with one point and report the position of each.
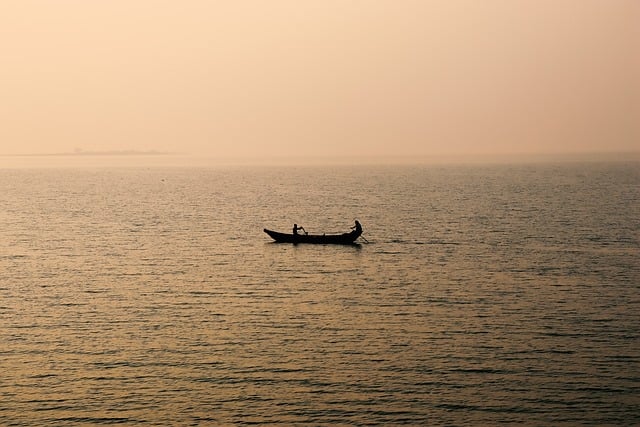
(296, 228)
(357, 227)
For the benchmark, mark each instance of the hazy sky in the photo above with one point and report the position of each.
(320, 78)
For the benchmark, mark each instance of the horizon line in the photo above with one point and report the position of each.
(200, 160)
(80, 153)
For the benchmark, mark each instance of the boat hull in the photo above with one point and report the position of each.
(324, 239)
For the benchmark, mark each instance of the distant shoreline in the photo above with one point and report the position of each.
(95, 153)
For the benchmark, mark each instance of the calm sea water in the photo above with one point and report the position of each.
(486, 295)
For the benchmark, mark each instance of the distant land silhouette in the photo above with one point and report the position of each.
(79, 152)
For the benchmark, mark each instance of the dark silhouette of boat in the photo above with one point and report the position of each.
(322, 239)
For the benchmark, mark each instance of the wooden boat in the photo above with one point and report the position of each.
(323, 239)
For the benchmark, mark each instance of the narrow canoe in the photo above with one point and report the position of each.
(322, 239)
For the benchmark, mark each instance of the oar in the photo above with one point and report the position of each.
(365, 240)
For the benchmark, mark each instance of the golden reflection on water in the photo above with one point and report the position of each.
(153, 297)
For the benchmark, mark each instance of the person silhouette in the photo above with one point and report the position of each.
(296, 228)
(357, 228)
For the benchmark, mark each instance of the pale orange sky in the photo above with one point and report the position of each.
(320, 78)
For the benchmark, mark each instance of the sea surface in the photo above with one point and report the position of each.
(483, 295)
